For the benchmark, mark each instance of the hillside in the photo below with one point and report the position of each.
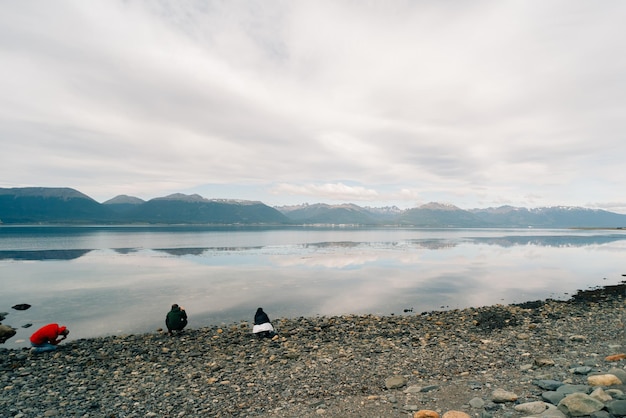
(123, 203)
(50, 205)
(436, 215)
(551, 217)
(40, 205)
(331, 214)
(180, 208)
(67, 206)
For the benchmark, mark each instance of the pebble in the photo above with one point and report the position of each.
(395, 382)
(426, 413)
(532, 408)
(501, 395)
(476, 403)
(455, 414)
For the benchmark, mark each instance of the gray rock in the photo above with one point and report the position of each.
(581, 370)
(548, 384)
(620, 373)
(600, 414)
(615, 393)
(6, 332)
(617, 408)
(526, 367)
(544, 362)
(502, 396)
(552, 412)
(579, 404)
(567, 389)
(601, 395)
(531, 408)
(395, 382)
(577, 338)
(492, 406)
(476, 403)
(475, 385)
(553, 397)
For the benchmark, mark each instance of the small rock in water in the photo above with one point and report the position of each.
(21, 306)
(6, 332)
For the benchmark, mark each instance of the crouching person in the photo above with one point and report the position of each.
(176, 319)
(262, 325)
(47, 338)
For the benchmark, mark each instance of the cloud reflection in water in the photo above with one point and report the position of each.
(124, 290)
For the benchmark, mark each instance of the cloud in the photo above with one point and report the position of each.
(332, 191)
(470, 103)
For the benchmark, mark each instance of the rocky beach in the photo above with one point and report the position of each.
(544, 358)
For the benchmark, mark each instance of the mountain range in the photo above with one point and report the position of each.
(41, 205)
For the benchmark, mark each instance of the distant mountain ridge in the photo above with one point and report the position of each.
(437, 215)
(36, 205)
(41, 205)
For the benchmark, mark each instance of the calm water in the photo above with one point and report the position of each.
(111, 280)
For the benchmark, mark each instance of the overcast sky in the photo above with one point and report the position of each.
(472, 103)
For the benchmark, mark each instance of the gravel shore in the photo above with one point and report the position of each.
(348, 366)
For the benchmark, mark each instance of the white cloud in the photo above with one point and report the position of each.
(329, 191)
(469, 103)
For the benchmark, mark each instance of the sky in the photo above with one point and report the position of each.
(471, 103)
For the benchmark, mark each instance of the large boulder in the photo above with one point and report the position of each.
(579, 404)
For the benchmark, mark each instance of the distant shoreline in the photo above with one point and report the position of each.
(591, 295)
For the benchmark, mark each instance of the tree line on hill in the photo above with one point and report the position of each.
(39, 205)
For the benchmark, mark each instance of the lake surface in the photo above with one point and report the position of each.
(116, 280)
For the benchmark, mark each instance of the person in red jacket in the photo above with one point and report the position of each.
(47, 338)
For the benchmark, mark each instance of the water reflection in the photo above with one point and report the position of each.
(431, 244)
(551, 241)
(182, 251)
(41, 255)
(125, 250)
(125, 283)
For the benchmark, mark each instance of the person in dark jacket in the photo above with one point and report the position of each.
(262, 325)
(176, 319)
